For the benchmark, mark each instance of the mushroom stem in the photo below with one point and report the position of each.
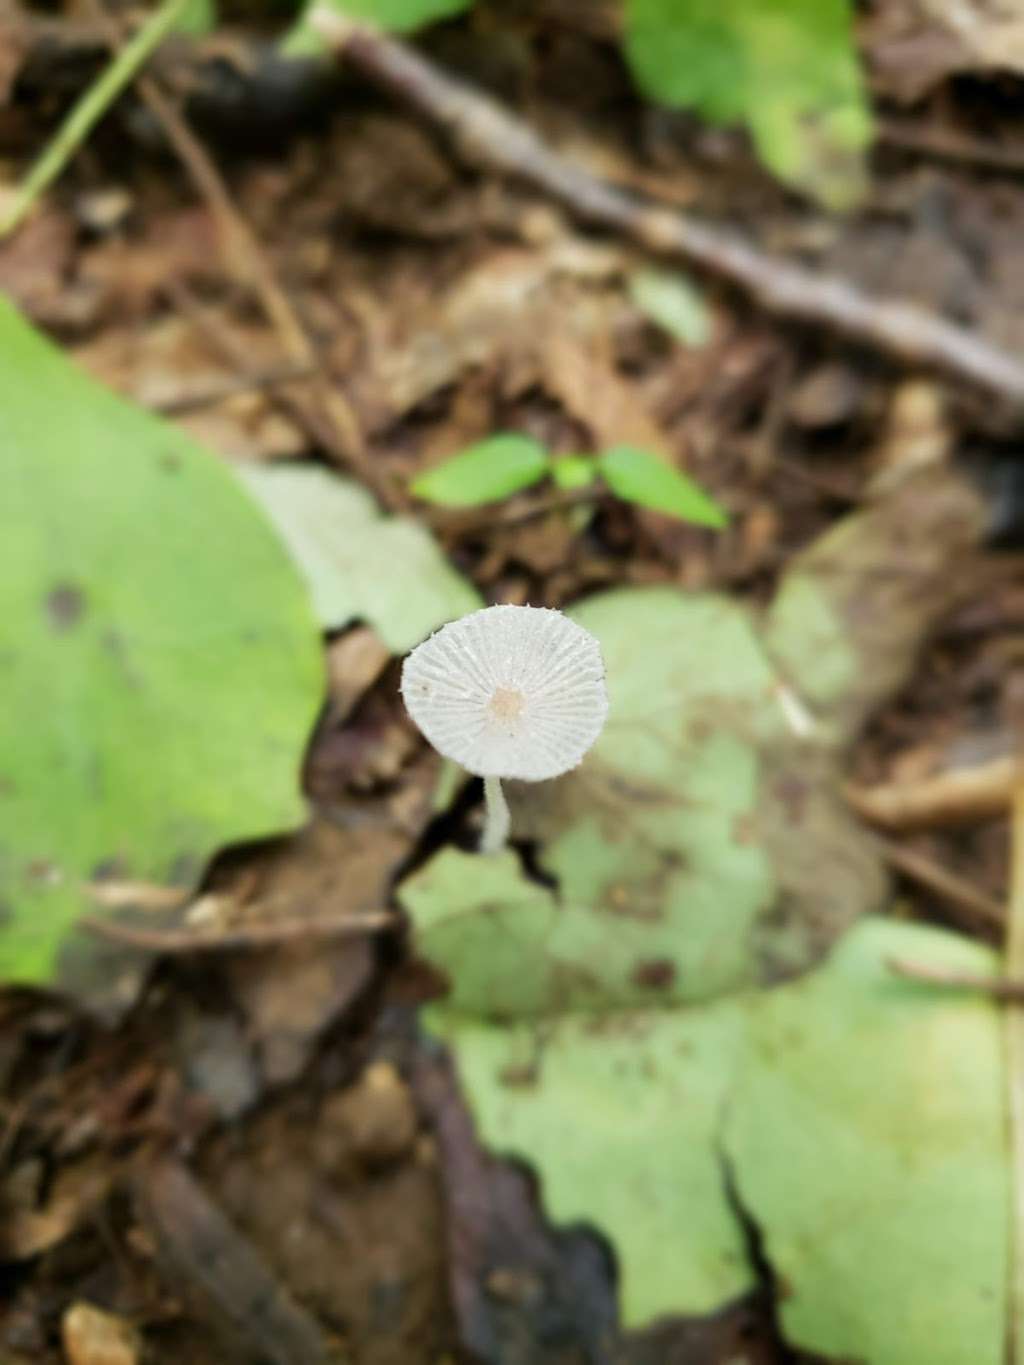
(497, 825)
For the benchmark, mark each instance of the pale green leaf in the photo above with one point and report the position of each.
(486, 472)
(788, 69)
(621, 1117)
(866, 1139)
(678, 830)
(639, 476)
(359, 564)
(674, 302)
(159, 664)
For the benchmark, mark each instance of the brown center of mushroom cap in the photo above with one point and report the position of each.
(506, 704)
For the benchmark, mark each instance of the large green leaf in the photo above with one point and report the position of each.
(696, 828)
(861, 1115)
(387, 571)
(160, 668)
(867, 1141)
(687, 848)
(787, 68)
(619, 1109)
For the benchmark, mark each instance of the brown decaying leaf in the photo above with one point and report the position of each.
(580, 372)
(501, 309)
(93, 1337)
(367, 1253)
(29, 1226)
(166, 361)
(354, 661)
(957, 796)
(289, 993)
(511, 1281)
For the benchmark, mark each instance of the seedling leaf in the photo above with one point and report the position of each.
(486, 472)
(638, 476)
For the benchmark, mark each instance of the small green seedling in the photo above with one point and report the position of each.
(505, 464)
(508, 691)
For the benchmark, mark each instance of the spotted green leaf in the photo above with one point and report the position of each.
(160, 667)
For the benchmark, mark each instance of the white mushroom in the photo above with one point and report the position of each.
(508, 692)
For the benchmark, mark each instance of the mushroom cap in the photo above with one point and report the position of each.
(509, 692)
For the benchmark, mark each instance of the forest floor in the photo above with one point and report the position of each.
(257, 1158)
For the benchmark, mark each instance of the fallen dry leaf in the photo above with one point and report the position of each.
(94, 1337)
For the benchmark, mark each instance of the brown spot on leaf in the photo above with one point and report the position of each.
(109, 869)
(656, 974)
(42, 872)
(637, 901)
(519, 1077)
(744, 829)
(792, 793)
(64, 606)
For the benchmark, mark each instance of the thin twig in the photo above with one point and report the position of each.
(487, 134)
(117, 895)
(308, 417)
(465, 522)
(232, 386)
(954, 890)
(1014, 1026)
(246, 258)
(999, 987)
(255, 935)
(960, 796)
(89, 109)
(950, 146)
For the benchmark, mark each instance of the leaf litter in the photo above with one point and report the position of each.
(441, 339)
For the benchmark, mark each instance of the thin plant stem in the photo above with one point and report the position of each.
(1014, 1033)
(498, 821)
(89, 109)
